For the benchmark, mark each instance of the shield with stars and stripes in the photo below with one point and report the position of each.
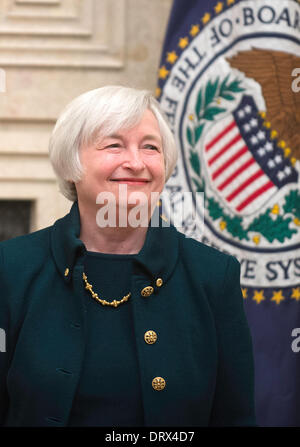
(245, 165)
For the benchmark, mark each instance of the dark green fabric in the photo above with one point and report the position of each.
(203, 350)
(110, 378)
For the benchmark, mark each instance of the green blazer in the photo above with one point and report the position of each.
(203, 351)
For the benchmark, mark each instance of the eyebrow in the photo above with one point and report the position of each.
(146, 137)
(152, 137)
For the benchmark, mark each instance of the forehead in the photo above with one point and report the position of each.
(146, 126)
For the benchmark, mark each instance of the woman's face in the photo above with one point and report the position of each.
(131, 157)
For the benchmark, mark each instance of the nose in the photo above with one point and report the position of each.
(134, 160)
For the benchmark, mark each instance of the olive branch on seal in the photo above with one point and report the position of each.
(272, 228)
(206, 109)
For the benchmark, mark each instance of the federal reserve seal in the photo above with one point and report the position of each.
(226, 88)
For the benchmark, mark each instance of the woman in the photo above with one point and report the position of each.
(113, 324)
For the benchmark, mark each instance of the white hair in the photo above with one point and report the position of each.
(102, 111)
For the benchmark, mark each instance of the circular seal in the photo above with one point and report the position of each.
(233, 104)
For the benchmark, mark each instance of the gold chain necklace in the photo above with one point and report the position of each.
(114, 303)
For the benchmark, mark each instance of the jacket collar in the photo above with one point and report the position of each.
(157, 258)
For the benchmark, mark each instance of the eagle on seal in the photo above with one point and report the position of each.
(273, 71)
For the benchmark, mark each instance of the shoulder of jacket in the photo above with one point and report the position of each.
(194, 248)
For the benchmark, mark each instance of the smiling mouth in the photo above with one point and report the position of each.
(130, 180)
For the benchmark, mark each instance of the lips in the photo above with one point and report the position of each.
(130, 180)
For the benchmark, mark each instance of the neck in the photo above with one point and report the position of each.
(114, 240)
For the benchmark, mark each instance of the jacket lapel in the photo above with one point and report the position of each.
(157, 257)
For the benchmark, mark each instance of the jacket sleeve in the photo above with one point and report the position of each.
(4, 349)
(233, 403)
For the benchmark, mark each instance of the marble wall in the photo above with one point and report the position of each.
(50, 52)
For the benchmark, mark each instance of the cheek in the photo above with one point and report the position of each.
(99, 165)
(159, 174)
(161, 170)
(158, 165)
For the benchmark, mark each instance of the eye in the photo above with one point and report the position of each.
(113, 145)
(151, 146)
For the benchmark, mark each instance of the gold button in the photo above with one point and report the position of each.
(67, 272)
(150, 337)
(158, 383)
(147, 291)
(159, 282)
